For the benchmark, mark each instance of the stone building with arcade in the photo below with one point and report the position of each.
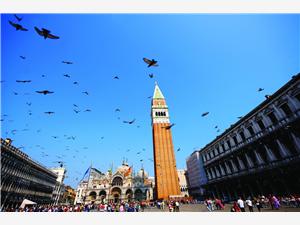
(120, 185)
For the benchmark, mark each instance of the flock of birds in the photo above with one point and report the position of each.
(46, 34)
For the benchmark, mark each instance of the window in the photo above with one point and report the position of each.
(261, 124)
(235, 140)
(286, 109)
(223, 147)
(242, 135)
(272, 117)
(228, 143)
(250, 129)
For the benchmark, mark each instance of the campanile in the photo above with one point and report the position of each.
(166, 177)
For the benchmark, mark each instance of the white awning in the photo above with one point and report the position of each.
(27, 202)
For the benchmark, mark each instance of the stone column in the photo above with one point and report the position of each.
(227, 168)
(217, 171)
(293, 104)
(222, 170)
(213, 173)
(208, 174)
(270, 154)
(235, 169)
(284, 152)
(296, 141)
(241, 164)
(220, 149)
(258, 158)
(249, 161)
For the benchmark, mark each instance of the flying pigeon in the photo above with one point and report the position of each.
(49, 112)
(23, 81)
(75, 82)
(45, 33)
(216, 127)
(150, 62)
(77, 111)
(116, 77)
(17, 26)
(205, 114)
(85, 92)
(151, 75)
(67, 75)
(67, 62)
(169, 127)
(239, 117)
(129, 122)
(45, 92)
(117, 110)
(178, 149)
(87, 110)
(22, 57)
(75, 105)
(18, 18)
(28, 103)
(260, 89)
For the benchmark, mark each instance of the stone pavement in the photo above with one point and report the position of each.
(202, 208)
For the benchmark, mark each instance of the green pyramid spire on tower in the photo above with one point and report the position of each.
(157, 92)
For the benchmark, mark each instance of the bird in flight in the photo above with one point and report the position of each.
(45, 92)
(205, 114)
(85, 92)
(102, 138)
(17, 26)
(239, 117)
(67, 75)
(49, 112)
(169, 127)
(178, 149)
(22, 57)
(23, 81)
(15, 93)
(67, 62)
(129, 122)
(75, 105)
(151, 75)
(141, 160)
(55, 137)
(150, 62)
(43, 75)
(116, 77)
(218, 130)
(18, 18)
(28, 103)
(76, 111)
(216, 127)
(87, 110)
(75, 82)
(150, 97)
(138, 153)
(117, 110)
(260, 89)
(45, 33)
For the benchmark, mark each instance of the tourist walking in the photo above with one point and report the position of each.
(249, 204)
(241, 204)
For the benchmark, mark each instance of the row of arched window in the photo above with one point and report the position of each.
(160, 113)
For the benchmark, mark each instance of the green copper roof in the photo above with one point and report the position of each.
(157, 93)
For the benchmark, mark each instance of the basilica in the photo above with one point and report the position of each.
(122, 185)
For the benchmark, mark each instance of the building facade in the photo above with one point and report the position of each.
(23, 178)
(122, 185)
(196, 175)
(260, 154)
(183, 184)
(166, 177)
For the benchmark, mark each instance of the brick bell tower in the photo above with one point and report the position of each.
(166, 177)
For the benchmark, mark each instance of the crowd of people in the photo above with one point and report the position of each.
(259, 202)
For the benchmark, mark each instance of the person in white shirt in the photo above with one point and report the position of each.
(241, 204)
(249, 204)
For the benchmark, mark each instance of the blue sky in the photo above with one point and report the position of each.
(211, 63)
